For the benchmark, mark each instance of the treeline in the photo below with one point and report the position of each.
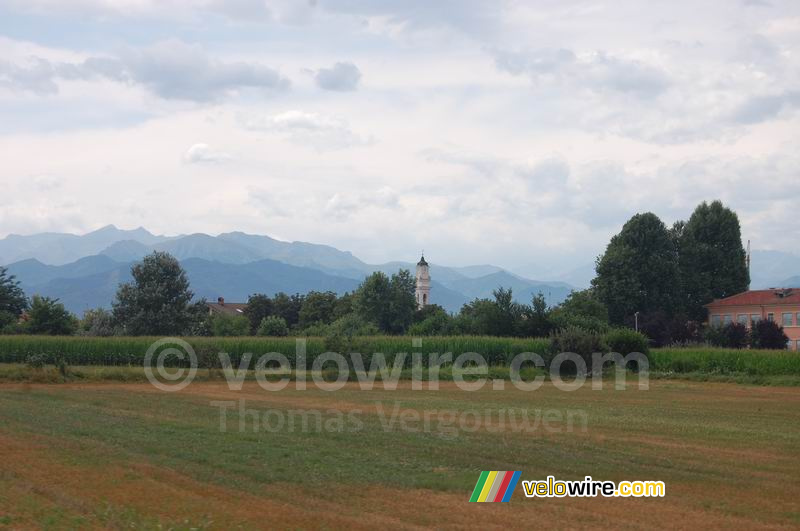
(650, 276)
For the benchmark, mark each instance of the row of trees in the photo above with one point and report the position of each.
(159, 301)
(657, 276)
(666, 275)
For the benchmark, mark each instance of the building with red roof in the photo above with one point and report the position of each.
(780, 305)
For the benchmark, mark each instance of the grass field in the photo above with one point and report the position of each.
(126, 455)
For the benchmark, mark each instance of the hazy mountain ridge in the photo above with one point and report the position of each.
(232, 265)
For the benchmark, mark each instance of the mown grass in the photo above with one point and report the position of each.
(119, 449)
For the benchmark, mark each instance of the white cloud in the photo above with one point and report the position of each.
(594, 70)
(341, 77)
(523, 131)
(312, 129)
(204, 154)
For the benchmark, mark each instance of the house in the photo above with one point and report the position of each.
(226, 308)
(780, 305)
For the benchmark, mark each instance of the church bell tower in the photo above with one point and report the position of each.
(423, 291)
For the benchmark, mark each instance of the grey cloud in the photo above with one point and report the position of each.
(36, 76)
(171, 69)
(341, 77)
(176, 70)
(597, 71)
(471, 16)
(546, 174)
(762, 108)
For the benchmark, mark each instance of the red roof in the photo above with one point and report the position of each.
(760, 297)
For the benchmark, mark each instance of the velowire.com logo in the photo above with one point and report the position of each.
(495, 486)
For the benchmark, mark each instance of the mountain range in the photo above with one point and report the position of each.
(85, 271)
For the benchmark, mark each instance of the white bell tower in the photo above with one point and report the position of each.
(423, 292)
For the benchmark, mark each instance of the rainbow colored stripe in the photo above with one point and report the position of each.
(495, 486)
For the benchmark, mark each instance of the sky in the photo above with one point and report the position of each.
(522, 134)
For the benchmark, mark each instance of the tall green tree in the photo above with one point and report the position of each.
(387, 302)
(711, 257)
(12, 299)
(317, 307)
(287, 307)
(157, 302)
(259, 306)
(639, 270)
(48, 316)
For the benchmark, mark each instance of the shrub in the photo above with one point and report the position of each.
(625, 341)
(229, 325)
(273, 326)
(732, 335)
(769, 335)
(582, 342)
(97, 322)
(36, 361)
(48, 316)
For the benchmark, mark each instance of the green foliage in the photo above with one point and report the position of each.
(229, 325)
(732, 335)
(287, 307)
(387, 302)
(97, 322)
(581, 309)
(48, 316)
(582, 342)
(710, 361)
(639, 270)
(273, 326)
(624, 341)
(769, 335)
(157, 301)
(317, 307)
(259, 306)
(117, 350)
(36, 361)
(712, 258)
(12, 299)
(432, 320)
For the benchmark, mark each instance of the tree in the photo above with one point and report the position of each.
(536, 321)
(768, 335)
(259, 306)
(582, 309)
(12, 299)
(48, 316)
(230, 325)
(479, 317)
(431, 320)
(387, 302)
(711, 257)
(639, 270)
(287, 307)
(317, 307)
(273, 326)
(97, 322)
(402, 302)
(157, 302)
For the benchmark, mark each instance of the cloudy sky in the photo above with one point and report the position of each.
(521, 133)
